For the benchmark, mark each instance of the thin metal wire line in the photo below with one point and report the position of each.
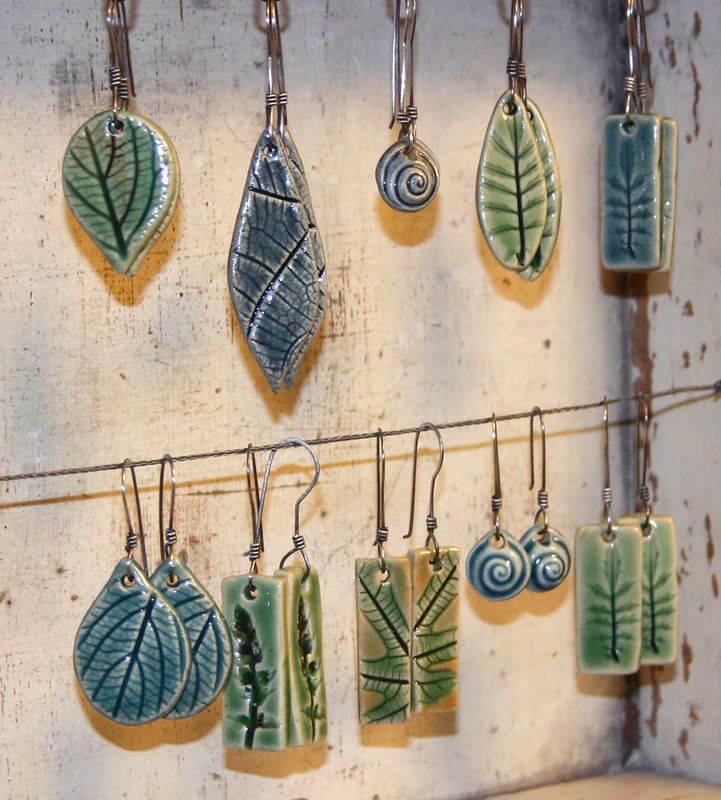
(714, 388)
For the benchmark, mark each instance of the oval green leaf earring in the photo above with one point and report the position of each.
(120, 172)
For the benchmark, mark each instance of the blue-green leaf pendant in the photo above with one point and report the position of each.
(208, 635)
(121, 179)
(550, 557)
(132, 655)
(498, 570)
(276, 266)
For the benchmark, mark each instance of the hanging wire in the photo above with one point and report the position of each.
(708, 388)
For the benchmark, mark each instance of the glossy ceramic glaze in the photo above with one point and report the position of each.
(670, 167)
(498, 571)
(407, 175)
(256, 705)
(276, 267)
(659, 621)
(631, 193)
(550, 558)
(306, 678)
(383, 604)
(131, 654)
(208, 636)
(434, 626)
(121, 179)
(608, 599)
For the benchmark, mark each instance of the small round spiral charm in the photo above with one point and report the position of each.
(550, 560)
(497, 566)
(407, 175)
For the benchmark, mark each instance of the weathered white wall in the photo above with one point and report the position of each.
(680, 707)
(421, 324)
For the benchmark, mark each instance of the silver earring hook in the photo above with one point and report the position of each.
(630, 82)
(497, 498)
(253, 553)
(403, 110)
(542, 493)
(431, 521)
(645, 82)
(381, 529)
(607, 495)
(131, 537)
(168, 536)
(276, 100)
(515, 66)
(122, 83)
(642, 426)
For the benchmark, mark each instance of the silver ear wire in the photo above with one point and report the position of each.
(542, 512)
(431, 521)
(131, 537)
(276, 100)
(122, 83)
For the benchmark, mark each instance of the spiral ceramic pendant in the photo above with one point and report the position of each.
(121, 180)
(550, 559)
(498, 570)
(132, 655)
(407, 175)
(208, 635)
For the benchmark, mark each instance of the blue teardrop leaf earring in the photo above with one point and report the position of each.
(497, 566)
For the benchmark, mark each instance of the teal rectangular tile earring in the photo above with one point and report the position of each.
(659, 620)
(518, 186)
(638, 172)
(608, 589)
(383, 608)
(434, 618)
(114, 151)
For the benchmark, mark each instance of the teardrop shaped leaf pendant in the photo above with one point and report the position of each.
(511, 187)
(132, 655)
(276, 266)
(208, 636)
(121, 179)
(407, 175)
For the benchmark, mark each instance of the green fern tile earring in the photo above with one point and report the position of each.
(132, 655)
(383, 607)
(608, 590)
(434, 618)
(120, 171)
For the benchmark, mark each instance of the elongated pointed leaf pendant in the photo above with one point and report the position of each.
(510, 187)
(553, 195)
(121, 179)
(132, 655)
(276, 268)
(208, 635)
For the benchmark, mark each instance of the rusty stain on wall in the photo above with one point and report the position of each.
(686, 658)
(710, 546)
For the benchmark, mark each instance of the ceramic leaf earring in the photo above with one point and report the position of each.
(497, 566)
(120, 172)
(383, 606)
(275, 697)
(407, 173)
(608, 589)
(132, 655)
(518, 187)
(434, 618)
(547, 548)
(659, 619)
(206, 629)
(276, 266)
(638, 172)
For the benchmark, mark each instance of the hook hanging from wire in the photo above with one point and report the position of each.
(276, 100)
(642, 426)
(131, 537)
(403, 109)
(122, 83)
(431, 521)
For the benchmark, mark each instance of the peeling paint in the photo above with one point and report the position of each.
(710, 546)
(686, 658)
(652, 721)
(683, 743)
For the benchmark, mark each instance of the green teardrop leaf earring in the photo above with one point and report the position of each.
(120, 171)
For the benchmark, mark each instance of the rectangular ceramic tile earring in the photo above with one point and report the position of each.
(670, 162)
(383, 604)
(304, 631)
(631, 192)
(256, 697)
(608, 598)
(434, 640)
(660, 589)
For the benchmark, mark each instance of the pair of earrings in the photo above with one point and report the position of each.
(518, 187)
(152, 647)
(498, 566)
(276, 695)
(120, 171)
(639, 162)
(276, 265)
(626, 586)
(407, 609)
